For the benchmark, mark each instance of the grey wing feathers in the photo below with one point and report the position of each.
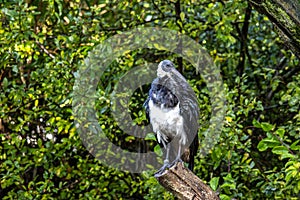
(146, 106)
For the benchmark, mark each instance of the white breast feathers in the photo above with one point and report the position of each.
(167, 123)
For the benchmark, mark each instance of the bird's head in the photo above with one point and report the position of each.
(164, 67)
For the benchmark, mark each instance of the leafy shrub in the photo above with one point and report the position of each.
(42, 46)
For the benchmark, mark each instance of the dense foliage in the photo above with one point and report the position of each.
(42, 46)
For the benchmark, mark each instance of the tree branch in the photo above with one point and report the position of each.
(285, 15)
(184, 184)
(180, 25)
(243, 35)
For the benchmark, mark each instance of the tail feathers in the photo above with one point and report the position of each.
(193, 152)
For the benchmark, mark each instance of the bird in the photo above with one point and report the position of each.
(173, 111)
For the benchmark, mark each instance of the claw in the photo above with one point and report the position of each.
(166, 166)
(176, 161)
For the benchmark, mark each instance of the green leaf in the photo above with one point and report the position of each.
(40, 143)
(228, 185)
(256, 123)
(5, 82)
(294, 146)
(266, 126)
(280, 132)
(282, 151)
(182, 16)
(224, 197)
(150, 136)
(214, 183)
(129, 138)
(279, 150)
(158, 150)
(267, 143)
(36, 103)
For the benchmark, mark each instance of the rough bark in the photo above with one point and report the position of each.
(285, 15)
(184, 184)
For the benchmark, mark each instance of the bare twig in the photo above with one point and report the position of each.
(21, 69)
(45, 50)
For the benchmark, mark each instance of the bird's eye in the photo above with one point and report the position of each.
(167, 67)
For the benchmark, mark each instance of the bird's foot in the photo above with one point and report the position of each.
(166, 166)
(176, 161)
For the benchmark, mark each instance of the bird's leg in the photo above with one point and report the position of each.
(178, 157)
(166, 161)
